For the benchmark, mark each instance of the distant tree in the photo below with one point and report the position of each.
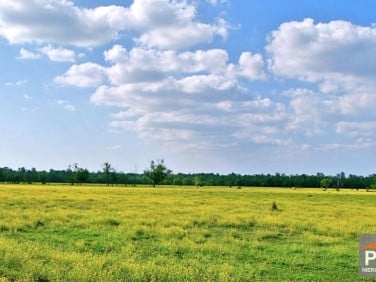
(108, 173)
(2, 176)
(157, 172)
(325, 183)
(21, 175)
(81, 175)
(373, 184)
(31, 175)
(71, 173)
(122, 178)
(74, 174)
(340, 180)
(42, 177)
(197, 180)
(177, 179)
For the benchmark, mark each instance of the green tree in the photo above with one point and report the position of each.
(325, 183)
(2, 175)
(373, 184)
(71, 173)
(197, 180)
(157, 172)
(42, 176)
(81, 175)
(108, 173)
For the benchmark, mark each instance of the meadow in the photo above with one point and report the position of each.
(98, 233)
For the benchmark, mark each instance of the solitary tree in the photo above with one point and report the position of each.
(107, 169)
(325, 183)
(197, 181)
(157, 172)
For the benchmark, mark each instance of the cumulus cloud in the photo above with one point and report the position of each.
(59, 22)
(84, 75)
(142, 64)
(195, 97)
(250, 66)
(116, 54)
(172, 24)
(27, 55)
(337, 58)
(58, 54)
(314, 52)
(160, 23)
(191, 72)
(167, 93)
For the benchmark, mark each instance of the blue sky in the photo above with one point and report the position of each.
(208, 86)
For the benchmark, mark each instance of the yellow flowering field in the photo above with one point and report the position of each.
(99, 233)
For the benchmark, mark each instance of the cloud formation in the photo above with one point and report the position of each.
(83, 75)
(168, 83)
(160, 23)
(182, 97)
(201, 98)
(58, 54)
(336, 60)
(27, 55)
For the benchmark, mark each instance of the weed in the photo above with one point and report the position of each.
(274, 207)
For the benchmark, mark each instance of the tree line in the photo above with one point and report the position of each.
(158, 173)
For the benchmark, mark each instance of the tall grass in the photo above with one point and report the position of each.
(64, 233)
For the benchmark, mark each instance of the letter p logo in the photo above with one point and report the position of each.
(369, 255)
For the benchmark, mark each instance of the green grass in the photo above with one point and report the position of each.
(65, 233)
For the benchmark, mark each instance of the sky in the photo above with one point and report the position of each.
(207, 85)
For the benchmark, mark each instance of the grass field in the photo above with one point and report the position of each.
(87, 233)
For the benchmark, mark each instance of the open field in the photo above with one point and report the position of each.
(65, 233)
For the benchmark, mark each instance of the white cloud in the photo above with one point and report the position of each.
(309, 111)
(314, 52)
(58, 54)
(226, 106)
(205, 83)
(363, 129)
(358, 102)
(70, 108)
(27, 55)
(347, 146)
(199, 96)
(66, 105)
(338, 59)
(141, 64)
(217, 2)
(182, 96)
(160, 23)
(84, 75)
(250, 66)
(116, 54)
(16, 83)
(183, 35)
(59, 22)
(172, 24)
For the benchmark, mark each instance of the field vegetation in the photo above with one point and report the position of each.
(100, 233)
